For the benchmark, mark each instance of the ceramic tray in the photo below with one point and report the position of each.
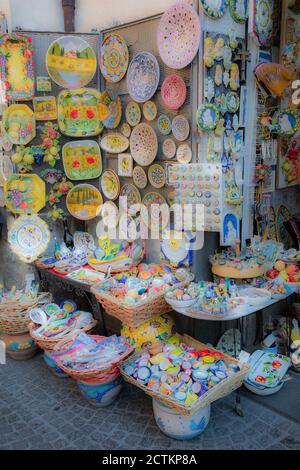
(19, 124)
(113, 58)
(84, 202)
(82, 160)
(139, 177)
(44, 108)
(25, 193)
(143, 77)
(114, 143)
(173, 91)
(143, 144)
(110, 184)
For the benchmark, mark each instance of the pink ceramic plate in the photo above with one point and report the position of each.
(173, 91)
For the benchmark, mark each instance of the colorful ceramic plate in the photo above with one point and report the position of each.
(175, 248)
(133, 197)
(239, 10)
(16, 67)
(110, 184)
(115, 114)
(113, 58)
(164, 124)
(139, 177)
(126, 129)
(173, 91)
(78, 112)
(143, 77)
(184, 153)
(169, 148)
(149, 110)
(143, 144)
(82, 160)
(29, 237)
(155, 211)
(178, 35)
(114, 142)
(213, 8)
(207, 117)
(156, 176)
(286, 122)
(84, 202)
(263, 21)
(133, 113)
(71, 62)
(25, 193)
(18, 124)
(84, 240)
(86, 276)
(44, 108)
(180, 127)
(232, 102)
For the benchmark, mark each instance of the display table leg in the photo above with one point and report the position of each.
(238, 406)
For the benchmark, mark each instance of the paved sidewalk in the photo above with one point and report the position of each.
(40, 411)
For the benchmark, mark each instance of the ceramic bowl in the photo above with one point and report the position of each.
(263, 391)
(180, 303)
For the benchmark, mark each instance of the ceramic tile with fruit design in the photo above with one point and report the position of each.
(25, 193)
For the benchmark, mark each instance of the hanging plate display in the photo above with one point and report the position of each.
(115, 114)
(156, 176)
(71, 62)
(184, 153)
(286, 122)
(16, 67)
(139, 177)
(126, 129)
(214, 9)
(173, 91)
(44, 108)
(82, 160)
(169, 148)
(133, 113)
(263, 21)
(154, 210)
(149, 110)
(25, 193)
(164, 124)
(178, 35)
(18, 124)
(114, 142)
(143, 77)
(239, 10)
(207, 117)
(180, 127)
(84, 202)
(6, 168)
(78, 112)
(29, 237)
(133, 197)
(143, 144)
(232, 102)
(113, 58)
(110, 184)
(175, 248)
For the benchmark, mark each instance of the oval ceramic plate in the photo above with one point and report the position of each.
(143, 144)
(82, 160)
(169, 148)
(18, 124)
(156, 176)
(180, 127)
(126, 129)
(133, 113)
(214, 9)
(232, 102)
(110, 184)
(178, 35)
(286, 122)
(133, 197)
(84, 202)
(173, 91)
(113, 58)
(139, 177)
(149, 110)
(154, 210)
(184, 153)
(239, 10)
(143, 77)
(164, 124)
(114, 142)
(263, 21)
(115, 114)
(71, 62)
(207, 117)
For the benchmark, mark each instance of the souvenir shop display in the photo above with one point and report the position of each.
(139, 177)
(25, 193)
(178, 35)
(173, 92)
(133, 113)
(214, 9)
(262, 21)
(44, 108)
(143, 77)
(16, 68)
(114, 142)
(156, 176)
(71, 62)
(125, 164)
(114, 58)
(84, 202)
(143, 144)
(164, 124)
(180, 128)
(169, 148)
(110, 184)
(19, 124)
(149, 110)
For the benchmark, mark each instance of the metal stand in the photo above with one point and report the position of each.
(239, 326)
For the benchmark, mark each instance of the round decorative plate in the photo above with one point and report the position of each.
(114, 142)
(133, 197)
(213, 8)
(173, 91)
(133, 113)
(207, 117)
(263, 21)
(143, 77)
(29, 237)
(184, 153)
(169, 148)
(110, 184)
(154, 210)
(18, 124)
(139, 177)
(180, 127)
(178, 35)
(157, 176)
(232, 102)
(149, 110)
(126, 129)
(286, 122)
(113, 58)
(239, 10)
(71, 62)
(143, 144)
(115, 114)
(175, 247)
(164, 124)
(84, 202)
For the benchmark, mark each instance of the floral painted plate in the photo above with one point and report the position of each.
(184, 153)
(133, 113)
(139, 177)
(175, 248)
(82, 160)
(84, 202)
(263, 21)
(143, 144)
(19, 124)
(178, 35)
(169, 148)
(114, 142)
(125, 164)
(110, 184)
(173, 91)
(115, 114)
(149, 110)
(71, 62)
(180, 127)
(126, 129)
(164, 124)
(207, 117)
(286, 122)
(44, 108)
(239, 10)
(133, 197)
(25, 193)
(143, 77)
(214, 9)
(114, 58)
(232, 102)
(29, 237)
(157, 176)
(78, 112)
(155, 211)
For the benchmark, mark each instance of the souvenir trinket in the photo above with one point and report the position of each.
(164, 124)
(214, 9)
(239, 10)
(234, 81)
(218, 74)
(263, 21)
(51, 175)
(139, 177)
(169, 148)
(25, 193)
(208, 52)
(114, 114)
(18, 124)
(133, 113)
(286, 122)
(209, 89)
(126, 129)
(114, 143)
(154, 210)
(44, 108)
(232, 102)
(156, 176)
(184, 153)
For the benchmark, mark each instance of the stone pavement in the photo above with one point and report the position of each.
(41, 411)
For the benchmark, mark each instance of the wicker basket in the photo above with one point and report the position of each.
(135, 315)
(48, 344)
(112, 266)
(220, 390)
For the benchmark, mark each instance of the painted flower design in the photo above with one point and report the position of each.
(90, 160)
(76, 164)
